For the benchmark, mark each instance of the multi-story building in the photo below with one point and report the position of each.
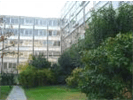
(31, 36)
(48, 36)
(74, 16)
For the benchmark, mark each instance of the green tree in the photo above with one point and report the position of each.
(39, 62)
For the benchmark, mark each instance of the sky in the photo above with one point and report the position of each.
(32, 8)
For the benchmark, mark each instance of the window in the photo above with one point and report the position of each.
(14, 65)
(55, 33)
(22, 32)
(36, 21)
(56, 43)
(5, 65)
(22, 21)
(44, 43)
(50, 22)
(26, 32)
(50, 33)
(40, 32)
(55, 23)
(36, 33)
(10, 65)
(50, 43)
(8, 20)
(45, 33)
(14, 20)
(15, 31)
(44, 22)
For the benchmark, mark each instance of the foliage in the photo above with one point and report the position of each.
(22, 67)
(8, 79)
(33, 77)
(108, 68)
(73, 79)
(69, 60)
(39, 62)
(107, 22)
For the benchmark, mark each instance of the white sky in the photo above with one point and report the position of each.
(32, 8)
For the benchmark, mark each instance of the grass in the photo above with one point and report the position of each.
(5, 90)
(54, 93)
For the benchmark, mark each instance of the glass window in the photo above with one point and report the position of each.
(5, 65)
(50, 22)
(10, 65)
(36, 33)
(26, 32)
(22, 21)
(50, 33)
(8, 20)
(44, 22)
(45, 33)
(14, 20)
(36, 21)
(55, 33)
(50, 42)
(55, 23)
(15, 31)
(14, 65)
(22, 32)
(44, 43)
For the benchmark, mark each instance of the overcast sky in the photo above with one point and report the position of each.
(32, 8)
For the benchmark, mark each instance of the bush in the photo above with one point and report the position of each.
(108, 70)
(33, 77)
(39, 62)
(8, 79)
(73, 79)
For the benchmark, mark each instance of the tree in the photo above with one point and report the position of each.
(3, 37)
(39, 62)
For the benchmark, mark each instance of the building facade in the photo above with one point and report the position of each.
(32, 36)
(47, 36)
(74, 16)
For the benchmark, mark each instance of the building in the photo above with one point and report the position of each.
(31, 36)
(48, 36)
(74, 16)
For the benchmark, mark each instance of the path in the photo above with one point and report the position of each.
(17, 93)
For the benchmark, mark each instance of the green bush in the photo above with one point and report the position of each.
(33, 77)
(8, 79)
(39, 62)
(108, 68)
(73, 79)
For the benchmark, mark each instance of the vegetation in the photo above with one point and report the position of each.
(108, 70)
(105, 55)
(74, 78)
(5, 90)
(100, 65)
(32, 75)
(54, 93)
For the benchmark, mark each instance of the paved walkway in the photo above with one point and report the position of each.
(17, 93)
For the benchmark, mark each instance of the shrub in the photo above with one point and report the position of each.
(39, 62)
(73, 79)
(8, 79)
(108, 68)
(33, 77)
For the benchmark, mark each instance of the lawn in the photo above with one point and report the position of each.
(54, 93)
(5, 90)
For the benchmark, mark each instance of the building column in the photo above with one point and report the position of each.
(2, 50)
(47, 43)
(33, 37)
(18, 44)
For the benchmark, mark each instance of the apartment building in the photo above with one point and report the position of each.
(31, 36)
